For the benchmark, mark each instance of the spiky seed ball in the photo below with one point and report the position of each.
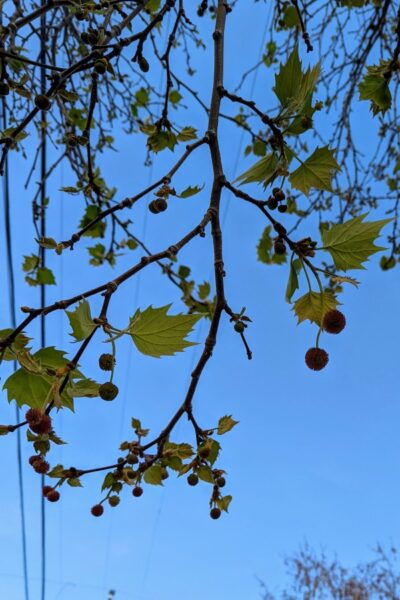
(158, 205)
(275, 190)
(215, 513)
(97, 510)
(108, 391)
(221, 482)
(132, 459)
(41, 466)
(43, 427)
(80, 15)
(193, 479)
(42, 102)
(239, 326)
(33, 416)
(34, 458)
(46, 489)
(279, 247)
(282, 208)
(143, 64)
(106, 362)
(334, 321)
(53, 496)
(137, 491)
(316, 359)
(4, 88)
(113, 501)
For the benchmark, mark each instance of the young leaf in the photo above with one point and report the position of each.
(352, 243)
(205, 474)
(190, 191)
(224, 502)
(293, 281)
(313, 307)
(153, 475)
(225, 424)
(157, 334)
(375, 87)
(18, 344)
(263, 171)
(81, 321)
(293, 87)
(315, 172)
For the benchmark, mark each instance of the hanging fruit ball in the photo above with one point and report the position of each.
(108, 391)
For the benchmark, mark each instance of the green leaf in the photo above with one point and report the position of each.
(179, 450)
(153, 475)
(352, 243)
(81, 321)
(204, 290)
(316, 172)
(187, 133)
(190, 191)
(32, 389)
(314, 306)
(205, 474)
(57, 471)
(108, 482)
(97, 230)
(47, 242)
(293, 87)
(225, 424)
(20, 343)
(263, 171)
(157, 334)
(159, 140)
(45, 276)
(175, 96)
(84, 388)
(224, 502)
(293, 281)
(74, 482)
(376, 89)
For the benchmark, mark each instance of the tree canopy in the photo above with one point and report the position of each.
(77, 79)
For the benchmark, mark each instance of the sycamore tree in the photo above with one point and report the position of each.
(315, 576)
(73, 72)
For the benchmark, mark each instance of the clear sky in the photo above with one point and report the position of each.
(316, 455)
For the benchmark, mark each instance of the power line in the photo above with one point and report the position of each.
(42, 255)
(11, 288)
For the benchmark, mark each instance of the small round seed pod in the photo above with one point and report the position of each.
(316, 359)
(108, 391)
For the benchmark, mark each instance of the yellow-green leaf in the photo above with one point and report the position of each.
(352, 243)
(157, 334)
(315, 172)
(314, 306)
(81, 321)
(225, 424)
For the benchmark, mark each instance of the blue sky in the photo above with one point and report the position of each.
(315, 456)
